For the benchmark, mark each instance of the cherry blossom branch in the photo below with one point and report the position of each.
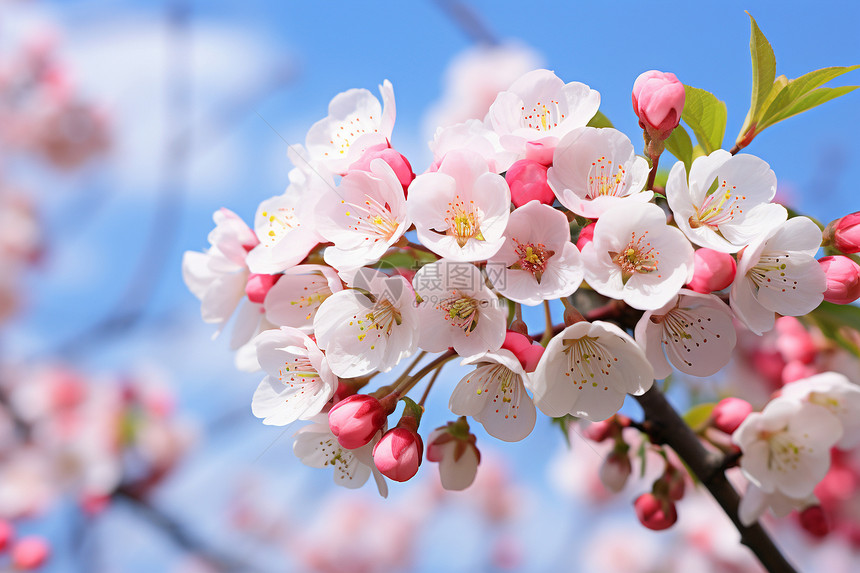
(179, 535)
(468, 20)
(665, 426)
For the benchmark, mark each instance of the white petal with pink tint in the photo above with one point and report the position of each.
(299, 380)
(495, 395)
(460, 211)
(355, 122)
(294, 299)
(594, 169)
(693, 331)
(587, 370)
(537, 261)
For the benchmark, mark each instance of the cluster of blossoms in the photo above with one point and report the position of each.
(41, 111)
(65, 436)
(361, 265)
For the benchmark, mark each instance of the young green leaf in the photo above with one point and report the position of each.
(840, 323)
(763, 67)
(680, 145)
(599, 120)
(706, 116)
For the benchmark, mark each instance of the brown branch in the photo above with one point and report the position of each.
(665, 426)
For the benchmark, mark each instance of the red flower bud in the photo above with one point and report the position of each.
(655, 513)
(258, 286)
(729, 413)
(356, 419)
(30, 553)
(844, 233)
(712, 271)
(399, 164)
(843, 279)
(586, 234)
(814, 520)
(398, 453)
(527, 180)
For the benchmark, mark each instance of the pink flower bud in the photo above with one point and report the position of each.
(794, 342)
(729, 413)
(654, 513)
(453, 447)
(599, 431)
(658, 100)
(814, 520)
(30, 553)
(399, 164)
(527, 180)
(398, 453)
(355, 420)
(844, 233)
(615, 470)
(540, 152)
(258, 286)
(712, 271)
(526, 351)
(7, 532)
(843, 279)
(586, 234)
(797, 370)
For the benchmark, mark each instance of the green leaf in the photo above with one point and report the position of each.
(840, 323)
(811, 100)
(706, 115)
(797, 90)
(697, 416)
(680, 145)
(599, 120)
(763, 68)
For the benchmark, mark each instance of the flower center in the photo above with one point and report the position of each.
(382, 317)
(720, 206)
(349, 130)
(461, 311)
(372, 219)
(639, 256)
(770, 273)
(543, 116)
(784, 454)
(532, 258)
(463, 221)
(504, 382)
(298, 370)
(601, 180)
(281, 222)
(313, 295)
(587, 361)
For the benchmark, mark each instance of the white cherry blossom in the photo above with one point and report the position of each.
(367, 329)
(294, 299)
(694, 332)
(298, 382)
(461, 210)
(317, 447)
(755, 502)
(363, 216)
(474, 136)
(494, 394)
(355, 122)
(457, 309)
(539, 108)
(727, 202)
(587, 370)
(636, 257)
(786, 447)
(537, 261)
(839, 395)
(218, 276)
(284, 226)
(778, 273)
(594, 169)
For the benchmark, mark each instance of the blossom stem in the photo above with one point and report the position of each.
(652, 175)
(430, 385)
(548, 332)
(408, 370)
(437, 362)
(665, 426)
